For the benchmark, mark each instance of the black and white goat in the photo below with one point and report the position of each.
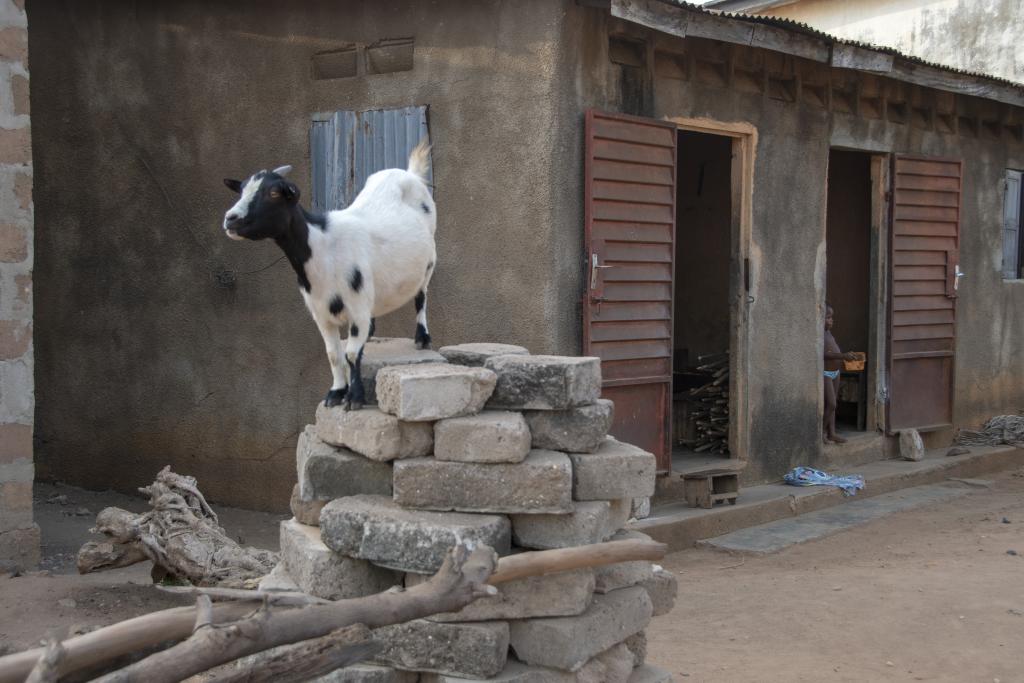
(353, 265)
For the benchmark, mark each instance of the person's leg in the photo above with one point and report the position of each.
(828, 418)
(835, 407)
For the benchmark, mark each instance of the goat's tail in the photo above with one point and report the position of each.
(419, 159)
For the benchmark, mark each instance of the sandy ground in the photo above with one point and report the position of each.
(925, 595)
(929, 594)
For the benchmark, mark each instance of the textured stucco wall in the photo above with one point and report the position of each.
(146, 357)
(787, 241)
(19, 535)
(977, 35)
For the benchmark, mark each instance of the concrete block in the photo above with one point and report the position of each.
(434, 391)
(541, 483)
(589, 522)
(278, 580)
(616, 470)
(19, 548)
(567, 643)
(319, 571)
(637, 644)
(662, 588)
(373, 434)
(306, 511)
(477, 649)
(618, 663)
(490, 436)
(577, 430)
(368, 673)
(514, 672)
(383, 352)
(545, 382)
(560, 594)
(591, 672)
(911, 445)
(650, 674)
(641, 508)
(611, 577)
(375, 528)
(476, 355)
(327, 472)
(619, 514)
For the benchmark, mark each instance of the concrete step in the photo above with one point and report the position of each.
(775, 536)
(681, 526)
(860, 448)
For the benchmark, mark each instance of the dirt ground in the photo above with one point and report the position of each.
(925, 595)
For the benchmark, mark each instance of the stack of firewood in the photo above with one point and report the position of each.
(709, 405)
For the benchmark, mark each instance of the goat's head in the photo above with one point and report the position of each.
(265, 207)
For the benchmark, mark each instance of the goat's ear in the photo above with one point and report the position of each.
(233, 185)
(290, 191)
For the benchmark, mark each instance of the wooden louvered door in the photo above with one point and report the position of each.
(630, 174)
(924, 267)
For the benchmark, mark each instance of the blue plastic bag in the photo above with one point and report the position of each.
(807, 476)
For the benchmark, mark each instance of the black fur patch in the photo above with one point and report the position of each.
(317, 220)
(356, 281)
(422, 338)
(336, 306)
(373, 328)
(334, 397)
(353, 331)
(355, 397)
(420, 299)
(426, 209)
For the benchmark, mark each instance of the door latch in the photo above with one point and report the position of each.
(594, 267)
(957, 274)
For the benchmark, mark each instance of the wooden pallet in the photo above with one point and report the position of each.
(704, 489)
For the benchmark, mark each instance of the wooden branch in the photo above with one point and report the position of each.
(98, 556)
(204, 612)
(303, 661)
(563, 559)
(46, 669)
(460, 580)
(282, 598)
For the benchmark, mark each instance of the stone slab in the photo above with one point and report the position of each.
(567, 643)
(774, 536)
(560, 594)
(278, 580)
(911, 445)
(433, 391)
(383, 352)
(662, 588)
(327, 472)
(618, 663)
(589, 522)
(650, 674)
(612, 577)
(373, 434)
(577, 430)
(615, 470)
(514, 672)
(478, 649)
(476, 354)
(320, 571)
(619, 514)
(368, 673)
(545, 382)
(637, 644)
(541, 483)
(490, 436)
(306, 511)
(641, 508)
(377, 529)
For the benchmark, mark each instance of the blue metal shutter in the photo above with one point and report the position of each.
(346, 147)
(1011, 225)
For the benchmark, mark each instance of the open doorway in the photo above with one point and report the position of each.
(848, 238)
(702, 408)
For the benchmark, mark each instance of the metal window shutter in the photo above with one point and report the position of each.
(1011, 226)
(346, 147)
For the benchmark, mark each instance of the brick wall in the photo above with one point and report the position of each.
(19, 536)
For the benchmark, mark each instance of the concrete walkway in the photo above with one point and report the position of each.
(682, 527)
(774, 536)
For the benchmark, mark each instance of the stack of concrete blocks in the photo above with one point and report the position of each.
(481, 443)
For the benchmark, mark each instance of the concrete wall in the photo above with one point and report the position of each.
(162, 342)
(976, 35)
(795, 128)
(19, 536)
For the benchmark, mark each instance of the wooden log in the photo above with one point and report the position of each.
(542, 562)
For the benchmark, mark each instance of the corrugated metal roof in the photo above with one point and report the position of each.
(805, 29)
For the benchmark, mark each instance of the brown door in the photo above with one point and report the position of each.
(630, 176)
(924, 258)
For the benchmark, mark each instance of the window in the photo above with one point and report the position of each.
(1011, 226)
(346, 147)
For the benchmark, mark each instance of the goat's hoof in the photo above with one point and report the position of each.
(335, 397)
(352, 405)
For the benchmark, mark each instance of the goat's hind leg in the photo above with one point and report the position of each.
(422, 338)
(332, 341)
(358, 332)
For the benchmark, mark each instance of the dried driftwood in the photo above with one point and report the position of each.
(180, 534)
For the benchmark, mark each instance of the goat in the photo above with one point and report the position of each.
(353, 265)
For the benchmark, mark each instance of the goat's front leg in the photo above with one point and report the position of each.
(332, 341)
(358, 332)
(422, 338)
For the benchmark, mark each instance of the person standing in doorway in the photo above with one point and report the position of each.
(834, 358)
